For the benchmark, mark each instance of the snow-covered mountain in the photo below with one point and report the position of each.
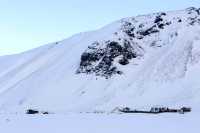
(137, 62)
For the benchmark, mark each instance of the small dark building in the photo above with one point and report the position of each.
(31, 111)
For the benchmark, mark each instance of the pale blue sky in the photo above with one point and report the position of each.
(25, 24)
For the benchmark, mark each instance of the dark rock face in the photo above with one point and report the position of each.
(157, 22)
(193, 9)
(194, 19)
(148, 31)
(158, 19)
(100, 60)
(140, 31)
(129, 29)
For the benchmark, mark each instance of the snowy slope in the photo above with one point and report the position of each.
(137, 62)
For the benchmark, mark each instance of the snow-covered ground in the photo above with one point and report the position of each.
(100, 123)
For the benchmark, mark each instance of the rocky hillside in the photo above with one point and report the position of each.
(137, 62)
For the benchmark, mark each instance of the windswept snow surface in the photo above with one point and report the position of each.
(139, 62)
(102, 123)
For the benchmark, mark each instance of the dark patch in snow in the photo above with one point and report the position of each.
(129, 29)
(158, 19)
(100, 61)
(31, 111)
(193, 10)
(179, 20)
(148, 31)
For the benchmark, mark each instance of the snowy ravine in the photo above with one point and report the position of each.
(138, 62)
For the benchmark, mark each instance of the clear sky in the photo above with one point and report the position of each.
(26, 24)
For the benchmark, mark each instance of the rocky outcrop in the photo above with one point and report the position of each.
(100, 61)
